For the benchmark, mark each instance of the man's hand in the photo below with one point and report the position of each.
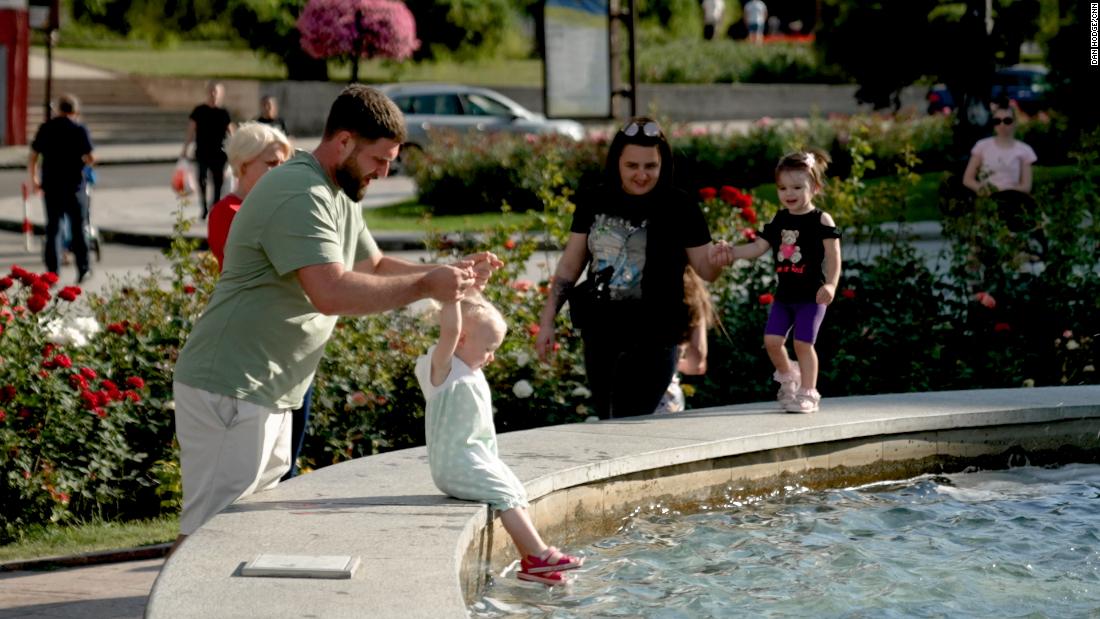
(483, 265)
(447, 284)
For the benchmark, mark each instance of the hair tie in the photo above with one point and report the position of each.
(810, 161)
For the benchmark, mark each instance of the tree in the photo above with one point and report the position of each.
(355, 29)
(466, 28)
(270, 27)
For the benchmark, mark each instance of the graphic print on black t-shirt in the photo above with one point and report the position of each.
(615, 243)
(798, 249)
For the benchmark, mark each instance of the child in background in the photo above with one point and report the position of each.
(806, 247)
(693, 350)
(462, 446)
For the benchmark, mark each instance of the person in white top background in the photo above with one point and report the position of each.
(713, 12)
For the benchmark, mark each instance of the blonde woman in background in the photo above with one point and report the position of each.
(253, 150)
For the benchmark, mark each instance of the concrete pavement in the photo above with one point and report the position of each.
(110, 591)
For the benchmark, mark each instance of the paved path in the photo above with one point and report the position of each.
(112, 591)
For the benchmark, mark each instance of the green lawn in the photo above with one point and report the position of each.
(57, 540)
(410, 217)
(213, 60)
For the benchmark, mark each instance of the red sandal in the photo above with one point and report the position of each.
(550, 579)
(552, 560)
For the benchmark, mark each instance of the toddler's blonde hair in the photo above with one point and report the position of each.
(811, 161)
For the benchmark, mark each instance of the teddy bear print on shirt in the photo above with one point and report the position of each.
(788, 250)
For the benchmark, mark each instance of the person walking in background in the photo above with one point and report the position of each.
(208, 127)
(755, 13)
(65, 147)
(805, 245)
(635, 232)
(713, 12)
(298, 255)
(462, 445)
(269, 114)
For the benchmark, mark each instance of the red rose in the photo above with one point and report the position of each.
(7, 394)
(132, 395)
(6, 282)
(708, 193)
(729, 194)
(749, 234)
(108, 385)
(557, 347)
(744, 201)
(18, 272)
(78, 381)
(69, 293)
(28, 278)
(1002, 326)
(533, 330)
(40, 287)
(88, 373)
(63, 361)
(136, 382)
(767, 298)
(749, 213)
(509, 244)
(37, 303)
(117, 328)
(89, 399)
(48, 349)
(986, 300)
(3, 415)
(102, 414)
(189, 289)
(848, 293)
(50, 278)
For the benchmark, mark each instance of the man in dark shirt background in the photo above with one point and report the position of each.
(208, 128)
(269, 114)
(65, 148)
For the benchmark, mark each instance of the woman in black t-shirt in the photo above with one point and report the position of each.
(635, 233)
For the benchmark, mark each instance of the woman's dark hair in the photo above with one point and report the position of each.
(646, 133)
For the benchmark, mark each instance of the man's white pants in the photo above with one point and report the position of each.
(229, 448)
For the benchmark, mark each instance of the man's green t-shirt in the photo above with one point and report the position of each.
(260, 339)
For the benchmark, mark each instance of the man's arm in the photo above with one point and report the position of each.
(190, 137)
(334, 290)
(32, 169)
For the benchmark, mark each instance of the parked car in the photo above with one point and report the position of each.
(468, 108)
(1025, 84)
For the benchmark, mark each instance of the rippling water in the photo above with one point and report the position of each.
(1018, 543)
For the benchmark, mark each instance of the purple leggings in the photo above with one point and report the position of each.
(805, 317)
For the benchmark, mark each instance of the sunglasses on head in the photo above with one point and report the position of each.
(1005, 121)
(650, 129)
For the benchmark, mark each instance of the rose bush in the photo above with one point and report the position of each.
(85, 380)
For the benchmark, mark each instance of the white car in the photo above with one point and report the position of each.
(468, 108)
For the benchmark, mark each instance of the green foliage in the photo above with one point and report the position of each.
(460, 28)
(694, 60)
(157, 22)
(670, 19)
(269, 26)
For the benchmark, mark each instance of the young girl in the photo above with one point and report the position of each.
(693, 350)
(806, 247)
(462, 446)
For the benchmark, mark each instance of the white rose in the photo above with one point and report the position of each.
(1089, 368)
(1029, 382)
(523, 389)
(582, 392)
(522, 358)
(1072, 345)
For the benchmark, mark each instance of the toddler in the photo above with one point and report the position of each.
(462, 446)
(806, 247)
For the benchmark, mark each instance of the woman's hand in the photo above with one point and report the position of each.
(720, 254)
(544, 342)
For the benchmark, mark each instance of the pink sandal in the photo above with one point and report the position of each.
(552, 560)
(788, 384)
(550, 579)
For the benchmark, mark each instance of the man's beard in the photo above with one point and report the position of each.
(350, 178)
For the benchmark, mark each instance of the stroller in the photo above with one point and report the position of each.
(91, 234)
